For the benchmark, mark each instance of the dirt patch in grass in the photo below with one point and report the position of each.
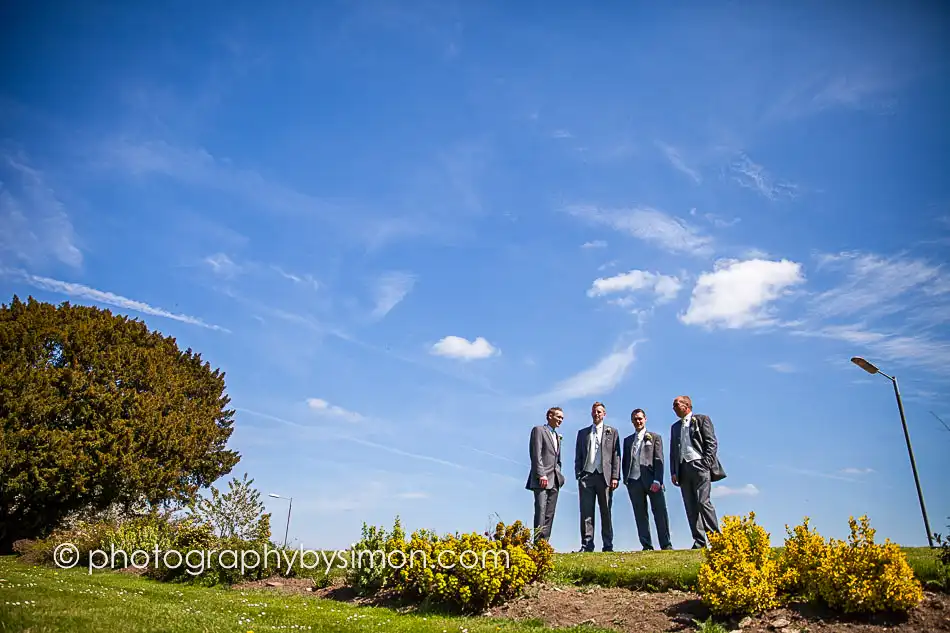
(627, 610)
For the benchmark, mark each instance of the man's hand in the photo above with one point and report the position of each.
(655, 487)
(613, 483)
(544, 482)
(674, 480)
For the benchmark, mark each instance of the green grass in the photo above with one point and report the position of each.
(679, 569)
(50, 600)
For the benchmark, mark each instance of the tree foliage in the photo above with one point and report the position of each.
(232, 514)
(96, 409)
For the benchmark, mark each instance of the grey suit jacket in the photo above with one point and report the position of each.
(651, 458)
(702, 434)
(609, 452)
(545, 459)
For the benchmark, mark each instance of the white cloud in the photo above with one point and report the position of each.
(391, 288)
(222, 265)
(876, 285)
(739, 293)
(894, 308)
(561, 134)
(664, 287)
(650, 225)
(324, 407)
(920, 349)
(857, 471)
(783, 368)
(101, 296)
(594, 244)
(673, 155)
(754, 176)
(458, 347)
(599, 379)
(34, 224)
(747, 490)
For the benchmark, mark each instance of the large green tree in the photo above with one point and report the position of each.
(96, 409)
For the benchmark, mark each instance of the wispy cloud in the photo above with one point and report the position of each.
(325, 408)
(892, 308)
(747, 490)
(740, 294)
(867, 88)
(34, 225)
(594, 244)
(599, 379)
(783, 368)
(754, 176)
(673, 155)
(391, 288)
(857, 471)
(876, 286)
(463, 349)
(437, 195)
(101, 296)
(671, 234)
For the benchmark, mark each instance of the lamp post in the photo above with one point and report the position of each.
(286, 529)
(871, 369)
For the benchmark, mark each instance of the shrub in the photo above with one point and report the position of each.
(468, 572)
(863, 577)
(738, 573)
(801, 561)
(376, 544)
(943, 562)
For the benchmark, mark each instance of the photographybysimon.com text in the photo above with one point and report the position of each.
(196, 561)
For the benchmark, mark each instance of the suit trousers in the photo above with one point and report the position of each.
(545, 502)
(638, 498)
(696, 486)
(593, 490)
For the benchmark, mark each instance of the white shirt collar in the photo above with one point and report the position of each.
(689, 418)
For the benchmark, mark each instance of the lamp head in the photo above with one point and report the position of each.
(274, 496)
(865, 365)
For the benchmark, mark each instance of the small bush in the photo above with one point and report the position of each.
(371, 564)
(801, 561)
(467, 572)
(943, 562)
(738, 574)
(861, 576)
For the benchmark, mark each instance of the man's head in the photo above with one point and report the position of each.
(598, 412)
(555, 417)
(682, 406)
(639, 419)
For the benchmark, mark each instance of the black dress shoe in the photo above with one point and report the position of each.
(668, 547)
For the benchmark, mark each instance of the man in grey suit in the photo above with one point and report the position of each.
(545, 478)
(643, 476)
(694, 465)
(597, 469)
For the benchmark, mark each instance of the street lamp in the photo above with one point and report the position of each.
(871, 369)
(286, 529)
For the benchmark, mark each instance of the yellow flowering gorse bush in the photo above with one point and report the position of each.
(738, 573)
(468, 571)
(801, 560)
(860, 576)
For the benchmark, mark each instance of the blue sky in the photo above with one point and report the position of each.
(406, 230)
